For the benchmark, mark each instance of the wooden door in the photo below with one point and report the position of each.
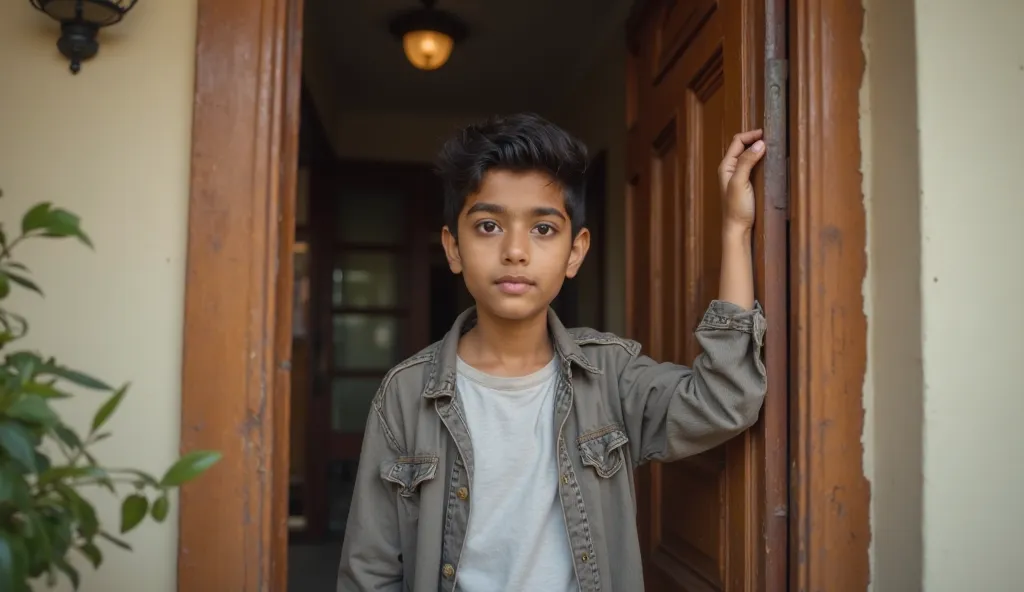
(371, 307)
(696, 70)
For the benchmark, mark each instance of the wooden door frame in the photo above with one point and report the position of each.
(237, 338)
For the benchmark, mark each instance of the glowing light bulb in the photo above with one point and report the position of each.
(427, 50)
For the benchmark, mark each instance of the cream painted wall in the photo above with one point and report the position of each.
(941, 129)
(971, 90)
(111, 144)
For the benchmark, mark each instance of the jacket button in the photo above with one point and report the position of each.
(448, 570)
(463, 493)
(585, 557)
(565, 478)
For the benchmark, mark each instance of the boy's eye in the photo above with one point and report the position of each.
(545, 229)
(488, 227)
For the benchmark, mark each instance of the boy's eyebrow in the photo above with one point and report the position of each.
(496, 209)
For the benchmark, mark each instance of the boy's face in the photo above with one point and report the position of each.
(515, 244)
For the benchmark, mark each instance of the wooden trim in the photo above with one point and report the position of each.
(236, 347)
(280, 451)
(830, 529)
(772, 274)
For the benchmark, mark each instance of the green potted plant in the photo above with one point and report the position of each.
(45, 465)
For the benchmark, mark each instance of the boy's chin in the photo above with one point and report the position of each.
(515, 309)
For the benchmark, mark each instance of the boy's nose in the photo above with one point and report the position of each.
(516, 249)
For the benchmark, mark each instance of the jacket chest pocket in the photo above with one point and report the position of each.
(409, 472)
(604, 449)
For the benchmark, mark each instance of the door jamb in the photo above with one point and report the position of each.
(235, 368)
(237, 331)
(830, 529)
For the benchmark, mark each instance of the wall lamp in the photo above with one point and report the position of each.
(80, 21)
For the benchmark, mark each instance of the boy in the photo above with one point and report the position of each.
(501, 458)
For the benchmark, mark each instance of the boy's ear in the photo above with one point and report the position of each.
(580, 246)
(451, 250)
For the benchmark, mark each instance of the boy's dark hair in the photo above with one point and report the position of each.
(522, 142)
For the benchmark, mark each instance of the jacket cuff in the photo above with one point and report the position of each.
(726, 315)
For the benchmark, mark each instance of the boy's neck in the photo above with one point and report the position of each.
(501, 347)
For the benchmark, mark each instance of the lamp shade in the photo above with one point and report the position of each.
(99, 13)
(427, 50)
(428, 35)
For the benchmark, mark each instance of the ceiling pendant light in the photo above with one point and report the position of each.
(428, 35)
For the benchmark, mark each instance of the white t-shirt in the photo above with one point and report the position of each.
(516, 537)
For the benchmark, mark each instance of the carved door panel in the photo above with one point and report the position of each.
(696, 76)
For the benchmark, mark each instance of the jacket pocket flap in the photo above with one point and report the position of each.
(408, 472)
(602, 449)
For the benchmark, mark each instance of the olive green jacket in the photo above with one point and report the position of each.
(615, 409)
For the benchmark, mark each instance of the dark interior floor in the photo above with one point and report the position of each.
(313, 568)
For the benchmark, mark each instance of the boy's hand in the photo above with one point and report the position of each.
(734, 177)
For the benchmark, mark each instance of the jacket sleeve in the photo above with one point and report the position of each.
(371, 552)
(679, 411)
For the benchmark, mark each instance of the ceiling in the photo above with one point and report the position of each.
(520, 54)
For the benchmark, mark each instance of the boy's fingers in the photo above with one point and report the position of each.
(746, 162)
(740, 142)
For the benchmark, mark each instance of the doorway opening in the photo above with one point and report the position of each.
(691, 66)
(371, 283)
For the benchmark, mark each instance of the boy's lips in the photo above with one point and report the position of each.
(514, 284)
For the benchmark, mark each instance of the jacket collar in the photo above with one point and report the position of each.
(441, 382)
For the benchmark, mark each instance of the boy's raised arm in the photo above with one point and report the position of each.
(371, 553)
(678, 411)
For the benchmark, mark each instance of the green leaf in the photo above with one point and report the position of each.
(189, 467)
(62, 223)
(5, 285)
(64, 472)
(13, 562)
(93, 553)
(26, 363)
(42, 462)
(37, 217)
(13, 487)
(133, 510)
(160, 508)
(19, 442)
(67, 436)
(44, 390)
(81, 509)
(69, 571)
(40, 549)
(33, 409)
(77, 377)
(24, 282)
(107, 409)
(114, 540)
